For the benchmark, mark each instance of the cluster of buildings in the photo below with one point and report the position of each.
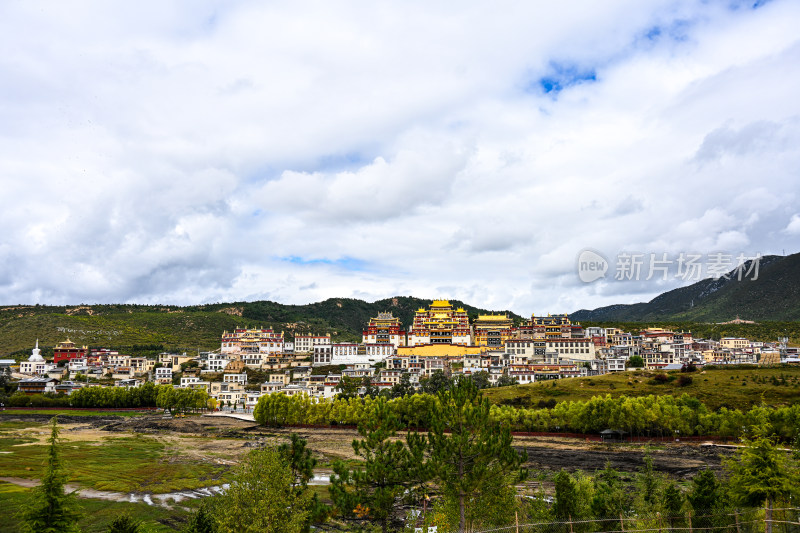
(440, 338)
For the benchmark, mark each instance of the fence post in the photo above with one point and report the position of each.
(569, 517)
(516, 520)
(690, 522)
(736, 518)
(658, 515)
(621, 523)
(768, 516)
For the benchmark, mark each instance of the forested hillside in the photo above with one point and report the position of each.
(142, 328)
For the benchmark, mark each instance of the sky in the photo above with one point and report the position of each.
(196, 152)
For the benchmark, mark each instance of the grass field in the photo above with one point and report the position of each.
(96, 514)
(138, 463)
(71, 412)
(732, 388)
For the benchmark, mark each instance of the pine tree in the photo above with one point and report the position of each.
(201, 521)
(468, 452)
(302, 464)
(705, 497)
(761, 474)
(51, 509)
(124, 524)
(610, 497)
(299, 458)
(672, 502)
(565, 506)
(391, 468)
(648, 481)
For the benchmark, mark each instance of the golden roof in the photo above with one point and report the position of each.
(492, 317)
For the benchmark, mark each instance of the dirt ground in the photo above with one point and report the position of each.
(227, 439)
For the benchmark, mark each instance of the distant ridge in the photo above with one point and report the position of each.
(774, 296)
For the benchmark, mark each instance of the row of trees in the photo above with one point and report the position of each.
(437, 382)
(148, 395)
(645, 415)
(761, 474)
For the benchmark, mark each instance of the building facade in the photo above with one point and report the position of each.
(306, 343)
(252, 341)
(441, 323)
(64, 351)
(384, 329)
(492, 330)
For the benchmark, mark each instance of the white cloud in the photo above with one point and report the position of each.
(194, 152)
(794, 225)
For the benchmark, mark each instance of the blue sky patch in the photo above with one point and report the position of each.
(345, 263)
(563, 76)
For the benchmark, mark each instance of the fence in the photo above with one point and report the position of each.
(784, 520)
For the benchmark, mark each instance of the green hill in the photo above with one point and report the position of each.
(738, 387)
(142, 329)
(774, 296)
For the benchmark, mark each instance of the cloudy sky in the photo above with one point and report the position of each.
(190, 152)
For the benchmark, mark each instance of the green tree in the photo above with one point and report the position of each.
(567, 501)
(391, 469)
(436, 383)
(202, 521)
(705, 497)
(300, 460)
(672, 502)
(481, 379)
(506, 381)
(636, 361)
(124, 524)
(762, 474)
(610, 495)
(262, 498)
(51, 509)
(369, 389)
(348, 387)
(565, 504)
(648, 484)
(468, 451)
(404, 387)
(302, 464)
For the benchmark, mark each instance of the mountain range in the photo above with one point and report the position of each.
(773, 296)
(141, 329)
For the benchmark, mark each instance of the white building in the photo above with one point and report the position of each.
(216, 362)
(36, 364)
(379, 352)
(117, 360)
(235, 378)
(322, 355)
(307, 343)
(164, 375)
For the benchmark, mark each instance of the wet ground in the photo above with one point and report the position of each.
(545, 454)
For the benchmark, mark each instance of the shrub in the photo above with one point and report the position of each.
(659, 379)
(684, 381)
